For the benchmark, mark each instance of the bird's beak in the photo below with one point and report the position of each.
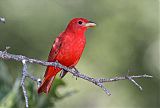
(90, 24)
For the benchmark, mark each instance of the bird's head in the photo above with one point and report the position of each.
(79, 25)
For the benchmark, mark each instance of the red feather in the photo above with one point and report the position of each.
(67, 50)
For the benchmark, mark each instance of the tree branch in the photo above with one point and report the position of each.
(97, 81)
(24, 74)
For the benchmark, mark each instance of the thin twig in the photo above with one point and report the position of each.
(102, 80)
(24, 73)
(132, 80)
(97, 81)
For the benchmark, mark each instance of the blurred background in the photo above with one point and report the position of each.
(126, 38)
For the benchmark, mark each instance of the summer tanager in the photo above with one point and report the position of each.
(67, 50)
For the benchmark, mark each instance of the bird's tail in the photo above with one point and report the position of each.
(48, 79)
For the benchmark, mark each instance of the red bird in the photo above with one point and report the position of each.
(67, 50)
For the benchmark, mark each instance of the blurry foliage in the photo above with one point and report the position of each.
(126, 38)
(11, 95)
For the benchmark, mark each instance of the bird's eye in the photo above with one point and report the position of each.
(80, 22)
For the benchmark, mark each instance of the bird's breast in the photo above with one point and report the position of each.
(71, 50)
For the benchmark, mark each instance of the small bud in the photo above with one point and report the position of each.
(39, 81)
(23, 61)
(2, 19)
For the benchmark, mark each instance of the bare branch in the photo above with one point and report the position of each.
(132, 80)
(102, 80)
(97, 81)
(24, 73)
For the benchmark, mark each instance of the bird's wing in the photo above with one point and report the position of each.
(55, 48)
(53, 53)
